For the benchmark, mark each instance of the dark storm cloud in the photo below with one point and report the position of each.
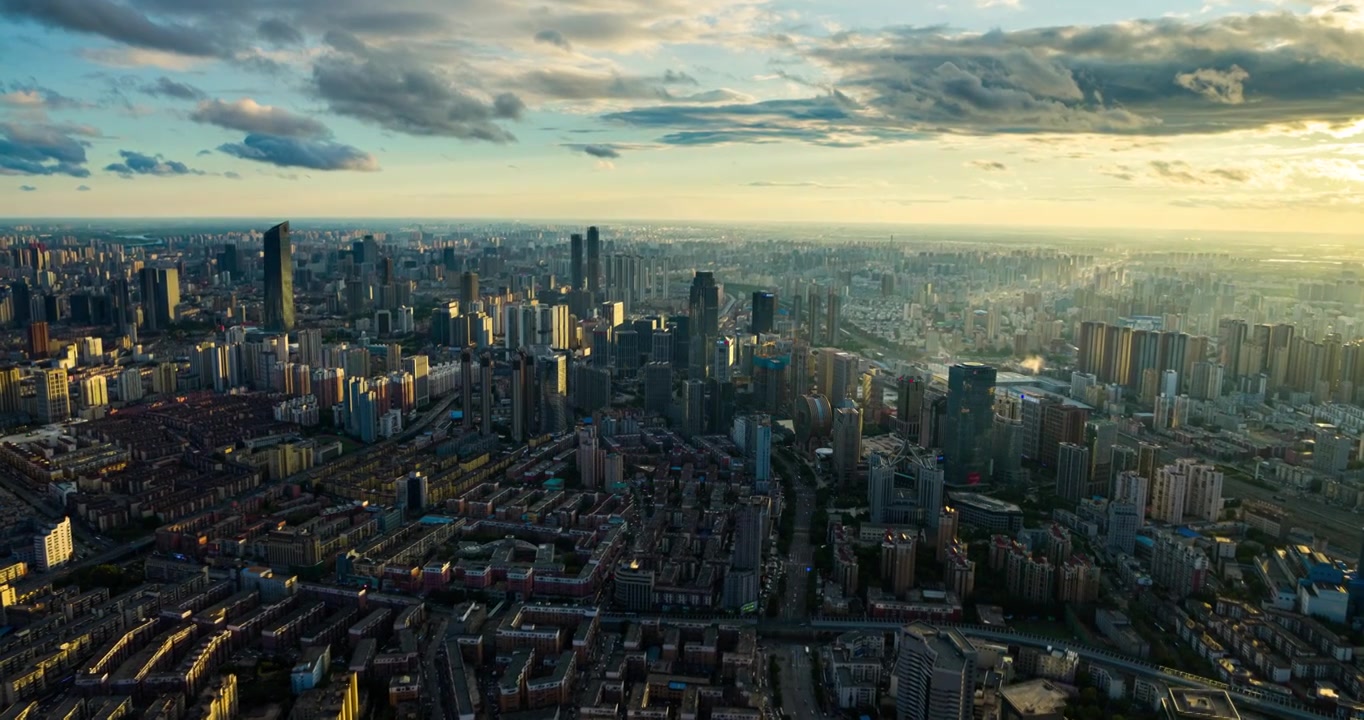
(606, 152)
(136, 163)
(168, 88)
(279, 33)
(43, 149)
(553, 37)
(1157, 77)
(248, 116)
(301, 152)
(402, 93)
(118, 22)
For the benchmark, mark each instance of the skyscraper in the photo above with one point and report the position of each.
(38, 341)
(1072, 472)
(466, 389)
(847, 436)
(703, 305)
(1131, 488)
(279, 279)
(160, 289)
(54, 399)
(834, 324)
(468, 288)
(52, 545)
(593, 261)
(935, 674)
(970, 418)
(485, 395)
(880, 486)
(1123, 523)
(748, 535)
(523, 395)
(576, 267)
(764, 312)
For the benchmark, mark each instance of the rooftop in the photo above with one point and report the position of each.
(1035, 697)
(1191, 704)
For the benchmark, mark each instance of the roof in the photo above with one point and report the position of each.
(1192, 704)
(1035, 697)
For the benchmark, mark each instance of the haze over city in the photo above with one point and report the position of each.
(1199, 114)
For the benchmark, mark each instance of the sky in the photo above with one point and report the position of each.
(1204, 114)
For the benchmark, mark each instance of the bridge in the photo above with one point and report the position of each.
(1275, 705)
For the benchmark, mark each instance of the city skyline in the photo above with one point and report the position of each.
(1210, 116)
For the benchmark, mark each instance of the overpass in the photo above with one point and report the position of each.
(1249, 698)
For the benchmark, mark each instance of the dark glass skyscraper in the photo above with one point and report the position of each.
(764, 312)
(575, 268)
(279, 279)
(704, 305)
(593, 260)
(970, 418)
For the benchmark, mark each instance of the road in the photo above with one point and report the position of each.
(23, 489)
(797, 687)
(800, 560)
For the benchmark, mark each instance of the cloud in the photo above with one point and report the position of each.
(1176, 170)
(605, 151)
(600, 151)
(1227, 87)
(248, 116)
(988, 165)
(553, 37)
(82, 188)
(34, 97)
(43, 149)
(28, 188)
(301, 152)
(797, 184)
(401, 93)
(118, 22)
(168, 88)
(1142, 77)
(677, 77)
(230, 175)
(279, 33)
(136, 163)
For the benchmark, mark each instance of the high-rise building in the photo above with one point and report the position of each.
(160, 288)
(970, 418)
(847, 437)
(1123, 522)
(1204, 500)
(749, 534)
(834, 323)
(909, 406)
(704, 305)
(928, 484)
(1072, 472)
(468, 287)
(95, 391)
(10, 402)
(764, 312)
(1177, 565)
(420, 367)
(54, 399)
(658, 388)
(935, 674)
(593, 268)
(310, 347)
(1169, 492)
(758, 447)
(576, 268)
(485, 395)
(721, 360)
(1130, 487)
(880, 486)
(694, 398)
(898, 551)
(279, 280)
(466, 389)
(52, 545)
(522, 396)
(38, 341)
